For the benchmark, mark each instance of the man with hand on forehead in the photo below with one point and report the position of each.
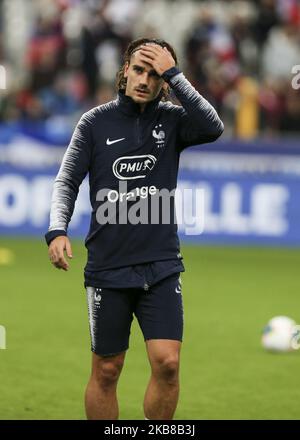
(133, 268)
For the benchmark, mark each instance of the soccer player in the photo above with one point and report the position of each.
(130, 147)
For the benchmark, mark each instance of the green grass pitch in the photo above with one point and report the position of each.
(229, 295)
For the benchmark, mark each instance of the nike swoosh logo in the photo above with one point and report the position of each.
(177, 290)
(108, 142)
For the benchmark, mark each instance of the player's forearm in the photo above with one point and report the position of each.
(198, 110)
(62, 207)
(64, 195)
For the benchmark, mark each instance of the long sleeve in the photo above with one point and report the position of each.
(198, 121)
(74, 168)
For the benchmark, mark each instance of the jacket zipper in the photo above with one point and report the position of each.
(138, 130)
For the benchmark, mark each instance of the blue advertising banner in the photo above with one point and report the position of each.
(243, 193)
(247, 198)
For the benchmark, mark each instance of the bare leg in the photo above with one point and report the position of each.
(162, 393)
(101, 392)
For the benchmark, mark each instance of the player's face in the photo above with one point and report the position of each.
(143, 83)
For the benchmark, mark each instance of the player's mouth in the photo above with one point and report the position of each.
(142, 92)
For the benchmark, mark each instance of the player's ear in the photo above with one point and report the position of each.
(126, 67)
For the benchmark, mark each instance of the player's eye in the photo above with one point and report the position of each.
(138, 69)
(154, 74)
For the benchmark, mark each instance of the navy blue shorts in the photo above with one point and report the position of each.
(159, 311)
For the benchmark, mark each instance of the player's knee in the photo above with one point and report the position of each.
(167, 369)
(108, 373)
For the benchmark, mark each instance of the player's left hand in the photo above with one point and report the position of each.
(158, 57)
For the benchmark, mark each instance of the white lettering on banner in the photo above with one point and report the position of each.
(211, 219)
(267, 210)
(233, 209)
(28, 201)
(190, 209)
(40, 190)
(24, 201)
(13, 200)
(232, 219)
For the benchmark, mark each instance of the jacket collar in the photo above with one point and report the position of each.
(128, 106)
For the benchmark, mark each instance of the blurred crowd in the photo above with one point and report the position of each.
(61, 57)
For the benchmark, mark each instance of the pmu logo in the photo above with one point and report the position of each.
(133, 167)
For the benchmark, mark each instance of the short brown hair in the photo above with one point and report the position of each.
(132, 47)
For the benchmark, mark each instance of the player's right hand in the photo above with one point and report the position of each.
(56, 251)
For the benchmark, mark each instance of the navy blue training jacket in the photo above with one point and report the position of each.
(117, 144)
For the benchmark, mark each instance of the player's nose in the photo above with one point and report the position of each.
(144, 78)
